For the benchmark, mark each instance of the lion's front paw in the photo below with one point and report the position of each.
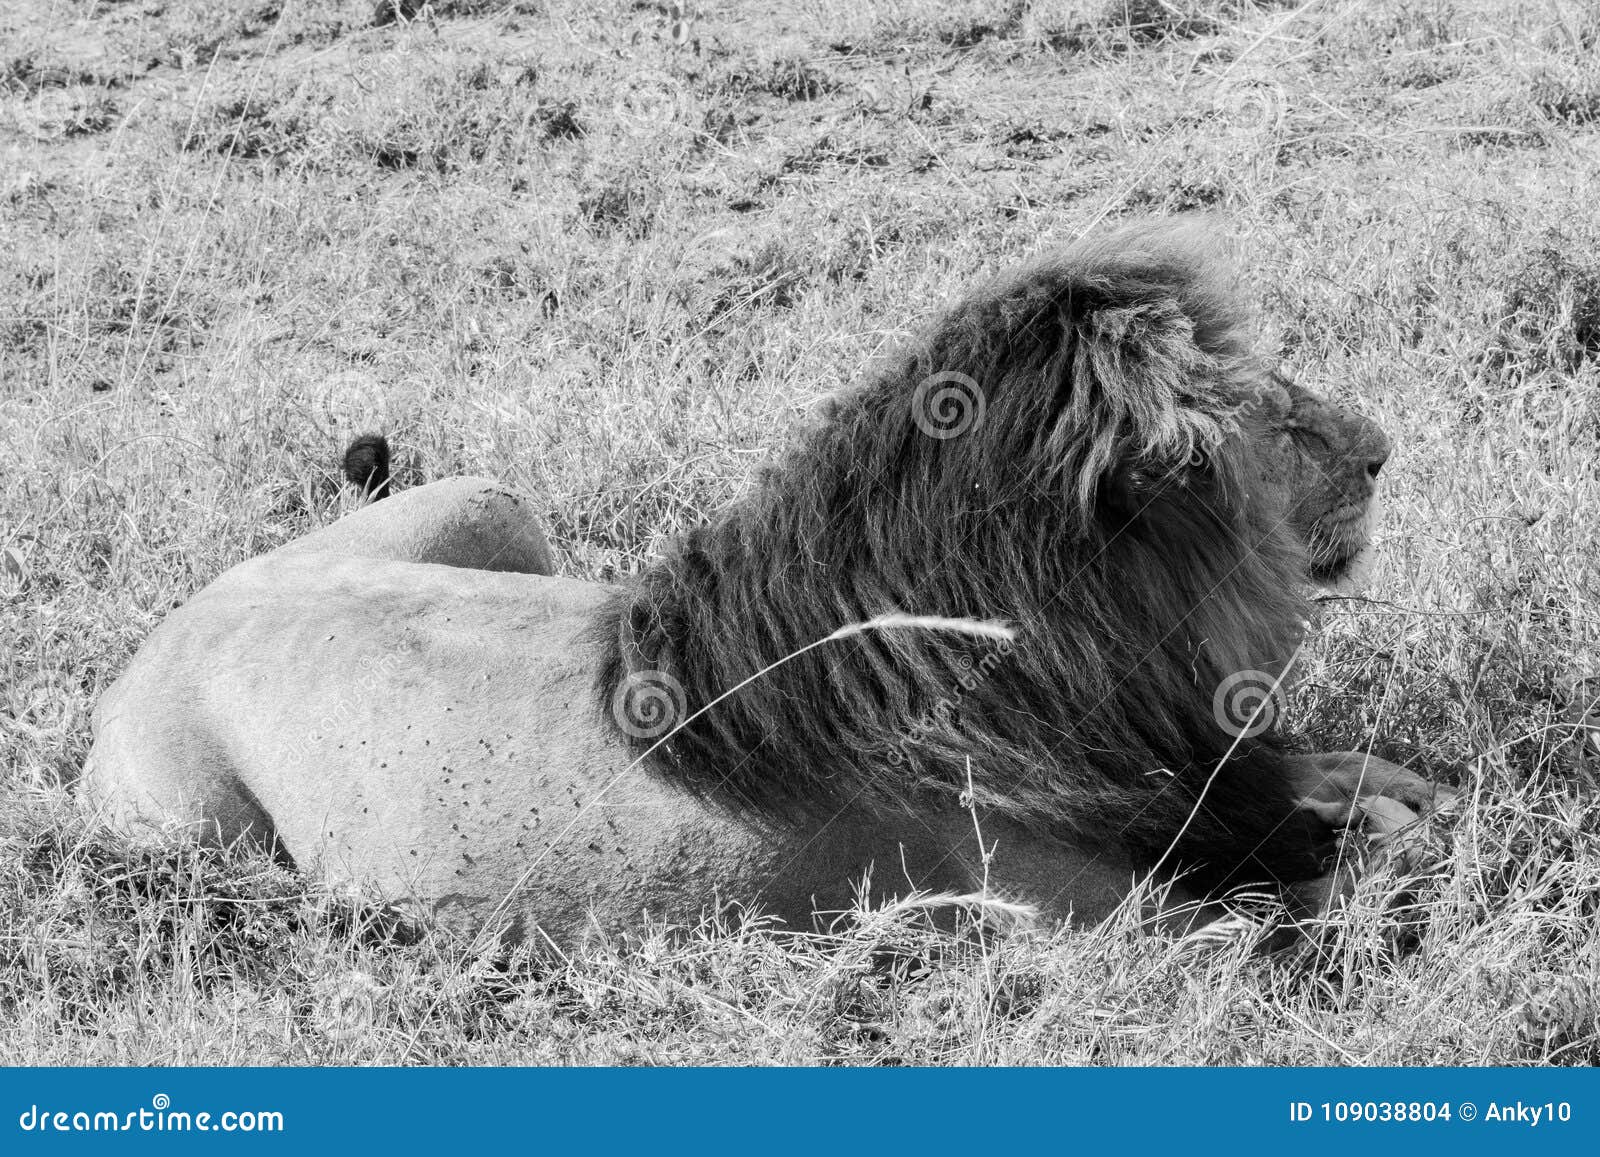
(1376, 816)
(1346, 776)
(1380, 820)
(1371, 823)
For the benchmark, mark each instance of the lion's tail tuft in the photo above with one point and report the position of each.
(366, 465)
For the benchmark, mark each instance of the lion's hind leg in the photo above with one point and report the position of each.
(465, 522)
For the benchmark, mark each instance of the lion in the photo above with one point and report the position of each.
(1084, 464)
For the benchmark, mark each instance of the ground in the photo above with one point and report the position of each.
(610, 252)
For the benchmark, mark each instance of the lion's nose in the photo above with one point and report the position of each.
(1375, 447)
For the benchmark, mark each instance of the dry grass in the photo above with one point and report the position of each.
(554, 243)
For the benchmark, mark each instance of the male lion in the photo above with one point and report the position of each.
(1087, 450)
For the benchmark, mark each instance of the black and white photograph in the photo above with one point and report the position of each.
(864, 534)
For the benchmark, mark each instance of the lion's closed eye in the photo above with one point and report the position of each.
(1308, 439)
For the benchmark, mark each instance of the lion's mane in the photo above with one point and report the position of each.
(1102, 504)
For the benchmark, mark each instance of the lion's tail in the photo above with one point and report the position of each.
(366, 465)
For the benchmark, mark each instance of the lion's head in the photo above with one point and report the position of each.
(1326, 458)
(1090, 449)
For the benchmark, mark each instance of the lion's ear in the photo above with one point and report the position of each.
(1141, 396)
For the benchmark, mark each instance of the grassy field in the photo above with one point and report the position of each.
(610, 255)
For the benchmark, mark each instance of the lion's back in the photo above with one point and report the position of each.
(313, 643)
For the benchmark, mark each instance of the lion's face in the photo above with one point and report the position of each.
(1325, 459)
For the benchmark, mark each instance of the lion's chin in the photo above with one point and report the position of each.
(1344, 563)
(1346, 575)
